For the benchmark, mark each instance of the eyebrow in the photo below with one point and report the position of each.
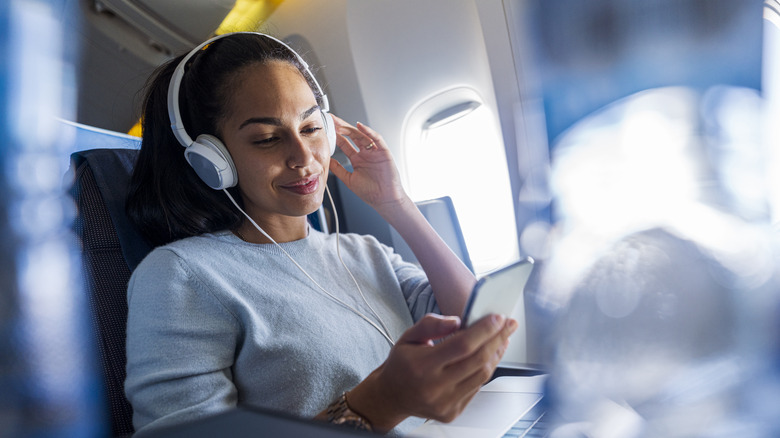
(275, 121)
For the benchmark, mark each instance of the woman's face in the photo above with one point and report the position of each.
(274, 131)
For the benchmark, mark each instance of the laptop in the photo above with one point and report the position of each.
(508, 406)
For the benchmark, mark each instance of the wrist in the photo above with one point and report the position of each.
(374, 404)
(341, 413)
(393, 210)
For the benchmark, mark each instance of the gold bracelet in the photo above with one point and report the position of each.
(340, 413)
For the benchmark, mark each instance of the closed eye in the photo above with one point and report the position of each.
(265, 141)
(311, 130)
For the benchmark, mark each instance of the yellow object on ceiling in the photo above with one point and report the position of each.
(136, 129)
(246, 15)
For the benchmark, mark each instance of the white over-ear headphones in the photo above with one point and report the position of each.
(207, 155)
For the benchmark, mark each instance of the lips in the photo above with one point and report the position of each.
(304, 186)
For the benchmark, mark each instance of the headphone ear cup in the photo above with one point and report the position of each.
(330, 129)
(210, 159)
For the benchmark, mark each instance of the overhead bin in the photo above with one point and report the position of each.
(163, 22)
(123, 41)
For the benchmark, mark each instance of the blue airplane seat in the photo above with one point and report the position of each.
(100, 168)
(86, 137)
(111, 248)
(440, 213)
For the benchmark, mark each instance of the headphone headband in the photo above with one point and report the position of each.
(207, 155)
(174, 113)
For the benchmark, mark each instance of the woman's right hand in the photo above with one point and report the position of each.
(436, 381)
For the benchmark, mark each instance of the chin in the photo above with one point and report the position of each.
(310, 205)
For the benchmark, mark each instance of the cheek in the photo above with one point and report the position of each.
(323, 155)
(253, 174)
(325, 161)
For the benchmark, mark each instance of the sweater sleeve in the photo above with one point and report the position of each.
(181, 343)
(414, 285)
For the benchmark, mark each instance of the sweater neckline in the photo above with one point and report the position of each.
(314, 237)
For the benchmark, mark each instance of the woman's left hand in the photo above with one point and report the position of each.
(374, 177)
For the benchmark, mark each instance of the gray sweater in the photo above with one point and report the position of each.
(214, 322)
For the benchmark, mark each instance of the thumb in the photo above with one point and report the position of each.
(431, 327)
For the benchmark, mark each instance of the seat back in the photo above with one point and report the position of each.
(111, 248)
(440, 213)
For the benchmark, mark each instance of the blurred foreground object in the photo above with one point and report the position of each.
(665, 285)
(48, 384)
(660, 294)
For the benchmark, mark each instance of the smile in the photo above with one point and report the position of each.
(304, 186)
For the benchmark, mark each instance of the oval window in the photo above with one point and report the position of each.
(453, 147)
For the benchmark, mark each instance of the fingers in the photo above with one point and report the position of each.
(478, 368)
(459, 388)
(475, 366)
(431, 327)
(364, 137)
(467, 376)
(438, 381)
(344, 144)
(468, 341)
(373, 135)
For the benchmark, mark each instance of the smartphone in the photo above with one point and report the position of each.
(498, 292)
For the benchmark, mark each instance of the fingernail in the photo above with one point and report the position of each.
(449, 319)
(498, 320)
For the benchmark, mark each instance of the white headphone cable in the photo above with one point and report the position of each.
(338, 253)
(383, 330)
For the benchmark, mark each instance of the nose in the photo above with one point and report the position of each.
(301, 152)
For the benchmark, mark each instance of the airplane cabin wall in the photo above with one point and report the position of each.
(318, 30)
(409, 50)
(380, 59)
(519, 110)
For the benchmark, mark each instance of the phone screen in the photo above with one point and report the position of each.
(498, 292)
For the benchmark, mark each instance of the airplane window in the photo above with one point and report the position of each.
(461, 155)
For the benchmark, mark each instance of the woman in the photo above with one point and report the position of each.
(257, 308)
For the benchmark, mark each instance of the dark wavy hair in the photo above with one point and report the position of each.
(167, 201)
